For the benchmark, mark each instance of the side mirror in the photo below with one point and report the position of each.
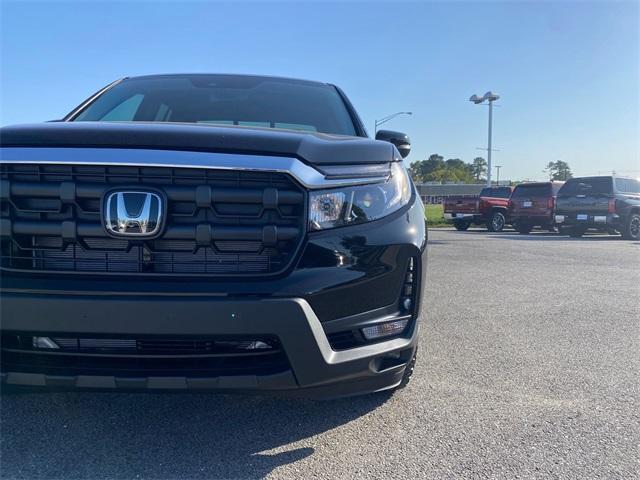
(400, 140)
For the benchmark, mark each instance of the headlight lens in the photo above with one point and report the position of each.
(358, 204)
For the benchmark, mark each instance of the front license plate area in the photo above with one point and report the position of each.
(582, 216)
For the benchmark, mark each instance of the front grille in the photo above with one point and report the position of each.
(142, 357)
(219, 222)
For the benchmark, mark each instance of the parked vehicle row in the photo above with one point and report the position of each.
(603, 203)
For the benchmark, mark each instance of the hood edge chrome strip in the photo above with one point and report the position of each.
(306, 175)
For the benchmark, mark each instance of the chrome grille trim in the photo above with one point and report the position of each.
(306, 175)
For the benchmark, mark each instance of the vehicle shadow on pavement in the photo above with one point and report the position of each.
(538, 235)
(535, 235)
(124, 436)
(550, 236)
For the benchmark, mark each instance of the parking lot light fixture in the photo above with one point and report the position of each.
(386, 119)
(487, 97)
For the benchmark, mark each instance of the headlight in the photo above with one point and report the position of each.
(358, 204)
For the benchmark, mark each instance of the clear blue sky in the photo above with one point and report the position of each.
(567, 71)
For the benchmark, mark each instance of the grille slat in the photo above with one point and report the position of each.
(215, 356)
(174, 193)
(219, 222)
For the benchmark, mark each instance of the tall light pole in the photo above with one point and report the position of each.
(386, 119)
(491, 97)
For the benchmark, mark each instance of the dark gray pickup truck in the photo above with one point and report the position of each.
(209, 232)
(608, 203)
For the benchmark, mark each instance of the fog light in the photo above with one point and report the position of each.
(44, 342)
(406, 304)
(258, 345)
(385, 329)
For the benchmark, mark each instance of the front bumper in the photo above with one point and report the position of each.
(315, 369)
(344, 280)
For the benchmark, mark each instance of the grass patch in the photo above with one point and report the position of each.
(434, 215)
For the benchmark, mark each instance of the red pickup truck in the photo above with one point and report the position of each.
(490, 209)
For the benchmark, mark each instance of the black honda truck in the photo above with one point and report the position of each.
(202, 232)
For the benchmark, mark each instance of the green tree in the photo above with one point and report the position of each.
(451, 172)
(559, 170)
(436, 169)
(422, 169)
(455, 163)
(479, 169)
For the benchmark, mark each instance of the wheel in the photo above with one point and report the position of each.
(408, 371)
(496, 222)
(461, 225)
(524, 229)
(632, 228)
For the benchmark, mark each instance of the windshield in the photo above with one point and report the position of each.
(533, 190)
(224, 100)
(587, 186)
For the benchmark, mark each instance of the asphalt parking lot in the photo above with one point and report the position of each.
(529, 367)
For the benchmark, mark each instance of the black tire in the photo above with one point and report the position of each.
(524, 229)
(408, 371)
(461, 225)
(496, 222)
(632, 228)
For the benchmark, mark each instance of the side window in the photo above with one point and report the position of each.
(126, 111)
(627, 185)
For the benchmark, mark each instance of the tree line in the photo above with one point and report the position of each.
(437, 169)
(453, 170)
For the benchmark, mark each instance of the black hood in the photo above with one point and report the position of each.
(313, 148)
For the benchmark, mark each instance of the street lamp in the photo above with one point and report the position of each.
(386, 119)
(491, 97)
